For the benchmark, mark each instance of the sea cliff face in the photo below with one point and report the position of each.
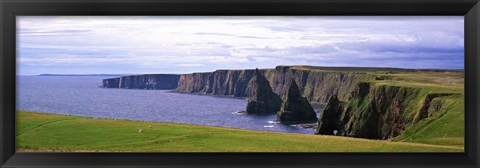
(316, 86)
(150, 81)
(220, 82)
(377, 111)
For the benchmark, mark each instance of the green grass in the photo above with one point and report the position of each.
(49, 132)
(444, 128)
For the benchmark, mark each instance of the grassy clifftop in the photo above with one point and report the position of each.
(445, 114)
(444, 122)
(48, 132)
(416, 106)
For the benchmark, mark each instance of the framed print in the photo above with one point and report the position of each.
(251, 83)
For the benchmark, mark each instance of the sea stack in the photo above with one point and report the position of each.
(264, 100)
(328, 123)
(296, 109)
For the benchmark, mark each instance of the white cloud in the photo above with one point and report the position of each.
(178, 42)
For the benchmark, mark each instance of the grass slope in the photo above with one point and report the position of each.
(48, 132)
(446, 127)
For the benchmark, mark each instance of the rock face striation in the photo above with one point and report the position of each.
(315, 85)
(264, 100)
(431, 105)
(329, 120)
(296, 109)
(150, 81)
(220, 82)
(372, 111)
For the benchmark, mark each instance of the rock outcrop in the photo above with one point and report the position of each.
(329, 120)
(150, 81)
(264, 100)
(221, 82)
(296, 109)
(431, 105)
(372, 111)
(316, 85)
(377, 111)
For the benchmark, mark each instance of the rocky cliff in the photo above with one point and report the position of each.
(150, 81)
(329, 121)
(295, 109)
(264, 100)
(377, 111)
(315, 85)
(220, 82)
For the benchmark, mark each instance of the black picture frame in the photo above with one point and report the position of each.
(9, 9)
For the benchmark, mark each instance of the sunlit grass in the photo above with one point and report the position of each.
(48, 132)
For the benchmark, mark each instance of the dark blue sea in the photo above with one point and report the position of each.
(81, 96)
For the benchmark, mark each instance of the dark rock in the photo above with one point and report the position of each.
(296, 109)
(430, 106)
(308, 125)
(148, 81)
(376, 111)
(239, 112)
(219, 82)
(330, 119)
(111, 83)
(316, 86)
(264, 101)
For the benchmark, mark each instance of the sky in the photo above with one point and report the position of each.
(186, 44)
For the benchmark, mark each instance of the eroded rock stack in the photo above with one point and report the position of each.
(264, 100)
(296, 109)
(328, 123)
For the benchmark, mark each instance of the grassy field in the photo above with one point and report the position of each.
(53, 133)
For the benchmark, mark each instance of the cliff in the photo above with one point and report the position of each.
(316, 85)
(150, 81)
(378, 111)
(329, 121)
(295, 109)
(220, 82)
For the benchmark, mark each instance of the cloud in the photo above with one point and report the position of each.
(188, 44)
(29, 32)
(216, 34)
(191, 65)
